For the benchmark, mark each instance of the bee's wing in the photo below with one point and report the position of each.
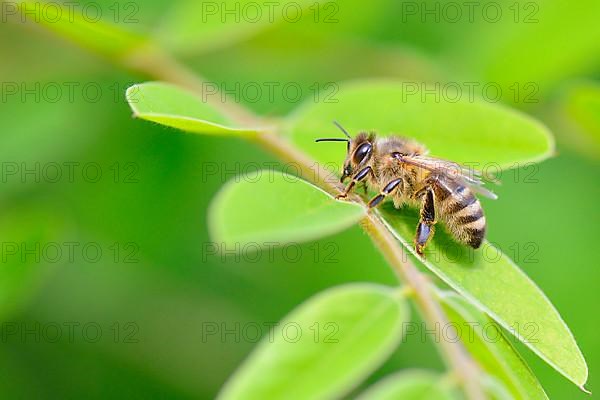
(479, 189)
(468, 176)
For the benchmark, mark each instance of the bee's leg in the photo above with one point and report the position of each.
(389, 188)
(425, 229)
(360, 175)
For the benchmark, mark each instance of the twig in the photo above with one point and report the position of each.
(454, 354)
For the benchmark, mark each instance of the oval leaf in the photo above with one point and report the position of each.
(325, 347)
(491, 281)
(172, 106)
(485, 341)
(470, 132)
(410, 385)
(276, 208)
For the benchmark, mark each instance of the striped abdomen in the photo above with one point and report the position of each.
(458, 207)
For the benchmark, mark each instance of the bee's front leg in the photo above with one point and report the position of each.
(387, 189)
(425, 229)
(360, 175)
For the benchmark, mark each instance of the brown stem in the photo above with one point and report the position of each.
(454, 354)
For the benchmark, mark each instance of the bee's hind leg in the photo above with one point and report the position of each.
(388, 189)
(425, 229)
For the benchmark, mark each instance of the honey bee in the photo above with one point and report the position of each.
(400, 168)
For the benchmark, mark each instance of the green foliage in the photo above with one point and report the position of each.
(276, 208)
(580, 109)
(486, 342)
(492, 289)
(457, 131)
(527, 33)
(325, 347)
(171, 106)
(583, 104)
(494, 389)
(181, 31)
(410, 385)
(102, 37)
(492, 282)
(15, 146)
(471, 132)
(21, 277)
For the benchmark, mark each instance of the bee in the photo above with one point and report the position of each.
(399, 168)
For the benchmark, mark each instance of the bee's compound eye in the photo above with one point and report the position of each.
(361, 152)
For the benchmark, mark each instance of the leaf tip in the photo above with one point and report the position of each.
(132, 100)
(130, 92)
(584, 390)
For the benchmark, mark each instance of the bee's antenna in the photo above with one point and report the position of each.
(332, 140)
(342, 129)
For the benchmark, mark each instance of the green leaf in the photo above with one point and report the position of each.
(486, 342)
(410, 385)
(99, 36)
(581, 107)
(492, 282)
(463, 131)
(274, 207)
(325, 347)
(200, 26)
(178, 108)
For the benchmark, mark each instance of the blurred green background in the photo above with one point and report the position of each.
(132, 321)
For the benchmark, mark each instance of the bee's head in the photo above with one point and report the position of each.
(359, 151)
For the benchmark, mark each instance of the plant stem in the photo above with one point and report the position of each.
(454, 354)
(159, 65)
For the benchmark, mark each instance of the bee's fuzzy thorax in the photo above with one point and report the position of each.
(400, 144)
